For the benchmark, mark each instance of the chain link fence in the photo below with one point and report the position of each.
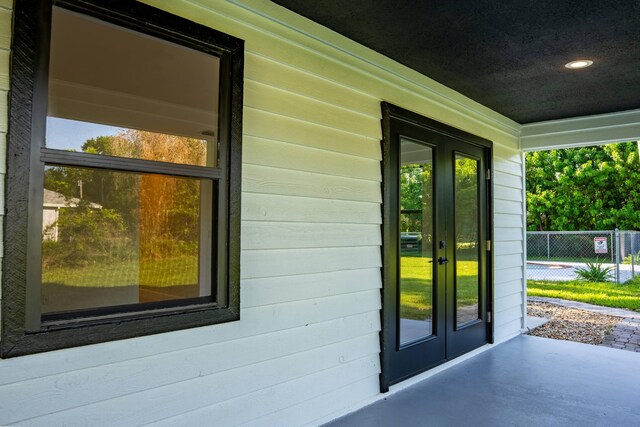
(555, 255)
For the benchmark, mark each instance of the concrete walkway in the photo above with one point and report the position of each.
(560, 271)
(624, 336)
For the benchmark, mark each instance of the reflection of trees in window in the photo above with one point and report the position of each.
(86, 233)
(140, 217)
(416, 201)
(466, 203)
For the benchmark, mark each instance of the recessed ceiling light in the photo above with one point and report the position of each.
(580, 63)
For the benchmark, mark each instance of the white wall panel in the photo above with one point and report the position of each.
(307, 343)
(270, 207)
(265, 152)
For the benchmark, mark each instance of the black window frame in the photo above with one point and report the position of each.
(26, 156)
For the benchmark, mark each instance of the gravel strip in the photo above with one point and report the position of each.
(571, 324)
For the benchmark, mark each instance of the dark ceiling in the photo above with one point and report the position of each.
(507, 55)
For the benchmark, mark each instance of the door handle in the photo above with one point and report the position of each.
(442, 260)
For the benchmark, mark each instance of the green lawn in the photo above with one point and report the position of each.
(416, 286)
(158, 273)
(607, 294)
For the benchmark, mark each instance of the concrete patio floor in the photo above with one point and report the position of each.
(527, 381)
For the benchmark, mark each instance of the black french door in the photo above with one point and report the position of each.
(436, 263)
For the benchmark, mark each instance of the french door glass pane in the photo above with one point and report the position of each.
(114, 238)
(467, 277)
(416, 242)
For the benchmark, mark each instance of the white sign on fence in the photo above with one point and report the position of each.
(600, 245)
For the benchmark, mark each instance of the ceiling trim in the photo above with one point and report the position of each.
(581, 131)
(313, 36)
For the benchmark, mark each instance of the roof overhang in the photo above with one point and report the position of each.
(581, 131)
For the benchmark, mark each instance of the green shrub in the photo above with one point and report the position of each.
(86, 235)
(594, 272)
(627, 259)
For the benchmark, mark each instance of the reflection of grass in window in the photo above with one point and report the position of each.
(416, 291)
(173, 271)
(169, 272)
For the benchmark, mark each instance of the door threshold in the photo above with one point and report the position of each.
(441, 367)
(435, 370)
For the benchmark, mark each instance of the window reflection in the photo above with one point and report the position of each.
(467, 245)
(105, 80)
(115, 238)
(416, 242)
(93, 138)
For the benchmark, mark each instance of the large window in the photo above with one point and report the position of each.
(123, 185)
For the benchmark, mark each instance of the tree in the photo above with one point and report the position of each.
(586, 188)
(87, 235)
(156, 216)
(466, 190)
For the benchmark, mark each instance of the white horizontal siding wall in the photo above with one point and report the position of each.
(509, 215)
(307, 344)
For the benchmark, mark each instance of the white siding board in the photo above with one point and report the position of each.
(4, 108)
(162, 402)
(507, 261)
(507, 207)
(3, 154)
(2, 200)
(267, 71)
(78, 389)
(508, 275)
(267, 180)
(508, 220)
(504, 234)
(506, 314)
(264, 124)
(511, 300)
(265, 152)
(270, 207)
(314, 410)
(507, 153)
(508, 288)
(507, 166)
(508, 330)
(507, 193)
(508, 248)
(267, 98)
(243, 409)
(508, 236)
(285, 262)
(274, 290)
(508, 180)
(5, 26)
(313, 321)
(293, 235)
(4, 70)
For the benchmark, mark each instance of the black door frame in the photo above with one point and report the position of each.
(393, 120)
